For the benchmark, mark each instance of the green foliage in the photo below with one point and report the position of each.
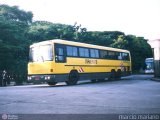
(139, 49)
(120, 42)
(42, 30)
(17, 32)
(14, 25)
(15, 14)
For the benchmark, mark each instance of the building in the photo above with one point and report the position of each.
(155, 45)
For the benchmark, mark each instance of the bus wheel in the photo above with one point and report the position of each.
(112, 75)
(52, 83)
(118, 74)
(73, 78)
(125, 72)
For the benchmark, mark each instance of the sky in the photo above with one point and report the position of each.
(136, 17)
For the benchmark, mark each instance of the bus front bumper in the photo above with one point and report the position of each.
(47, 78)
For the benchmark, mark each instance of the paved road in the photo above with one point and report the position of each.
(136, 94)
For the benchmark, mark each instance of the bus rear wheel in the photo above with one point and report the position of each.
(118, 74)
(112, 75)
(73, 78)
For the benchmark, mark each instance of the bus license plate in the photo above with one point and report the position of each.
(36, 78)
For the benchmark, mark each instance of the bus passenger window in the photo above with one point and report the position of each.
(125, 56)
(116, 55)
(75, 51)
(97, 53)
(72, 51)
(69, 51)
(83, 52)
(111, 55)
(104, 54)
(94, 53)
(119, 56)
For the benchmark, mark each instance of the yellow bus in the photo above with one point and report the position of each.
(57, 60)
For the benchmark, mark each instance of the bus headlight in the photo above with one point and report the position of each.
(29, 78)
(47, 78)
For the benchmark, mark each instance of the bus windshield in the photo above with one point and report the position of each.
(41, 53)
(149, 65)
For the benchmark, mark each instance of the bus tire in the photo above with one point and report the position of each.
(52, 83)
(124, 72)
(112, 75)
(73, 78)
(118, 74)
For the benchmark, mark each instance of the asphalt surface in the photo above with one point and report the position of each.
(136, 94)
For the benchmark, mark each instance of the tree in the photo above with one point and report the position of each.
(43, 30)
(14, 24)
(139, 49)
(120, 42)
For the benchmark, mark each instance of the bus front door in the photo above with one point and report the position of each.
(60, 53)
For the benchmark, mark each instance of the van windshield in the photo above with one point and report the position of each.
(41, 53)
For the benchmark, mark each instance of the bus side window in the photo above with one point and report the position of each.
(111, 55)
(116, 55)
(83, 52)
(97, 53)
(94, 53)
(125, 56)
(103, 54)
(60, 56)
(119, 56)
(72, 51)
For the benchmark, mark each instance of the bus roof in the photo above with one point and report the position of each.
(77, 44)
(149, 60)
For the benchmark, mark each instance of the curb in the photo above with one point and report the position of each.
(155, 79)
